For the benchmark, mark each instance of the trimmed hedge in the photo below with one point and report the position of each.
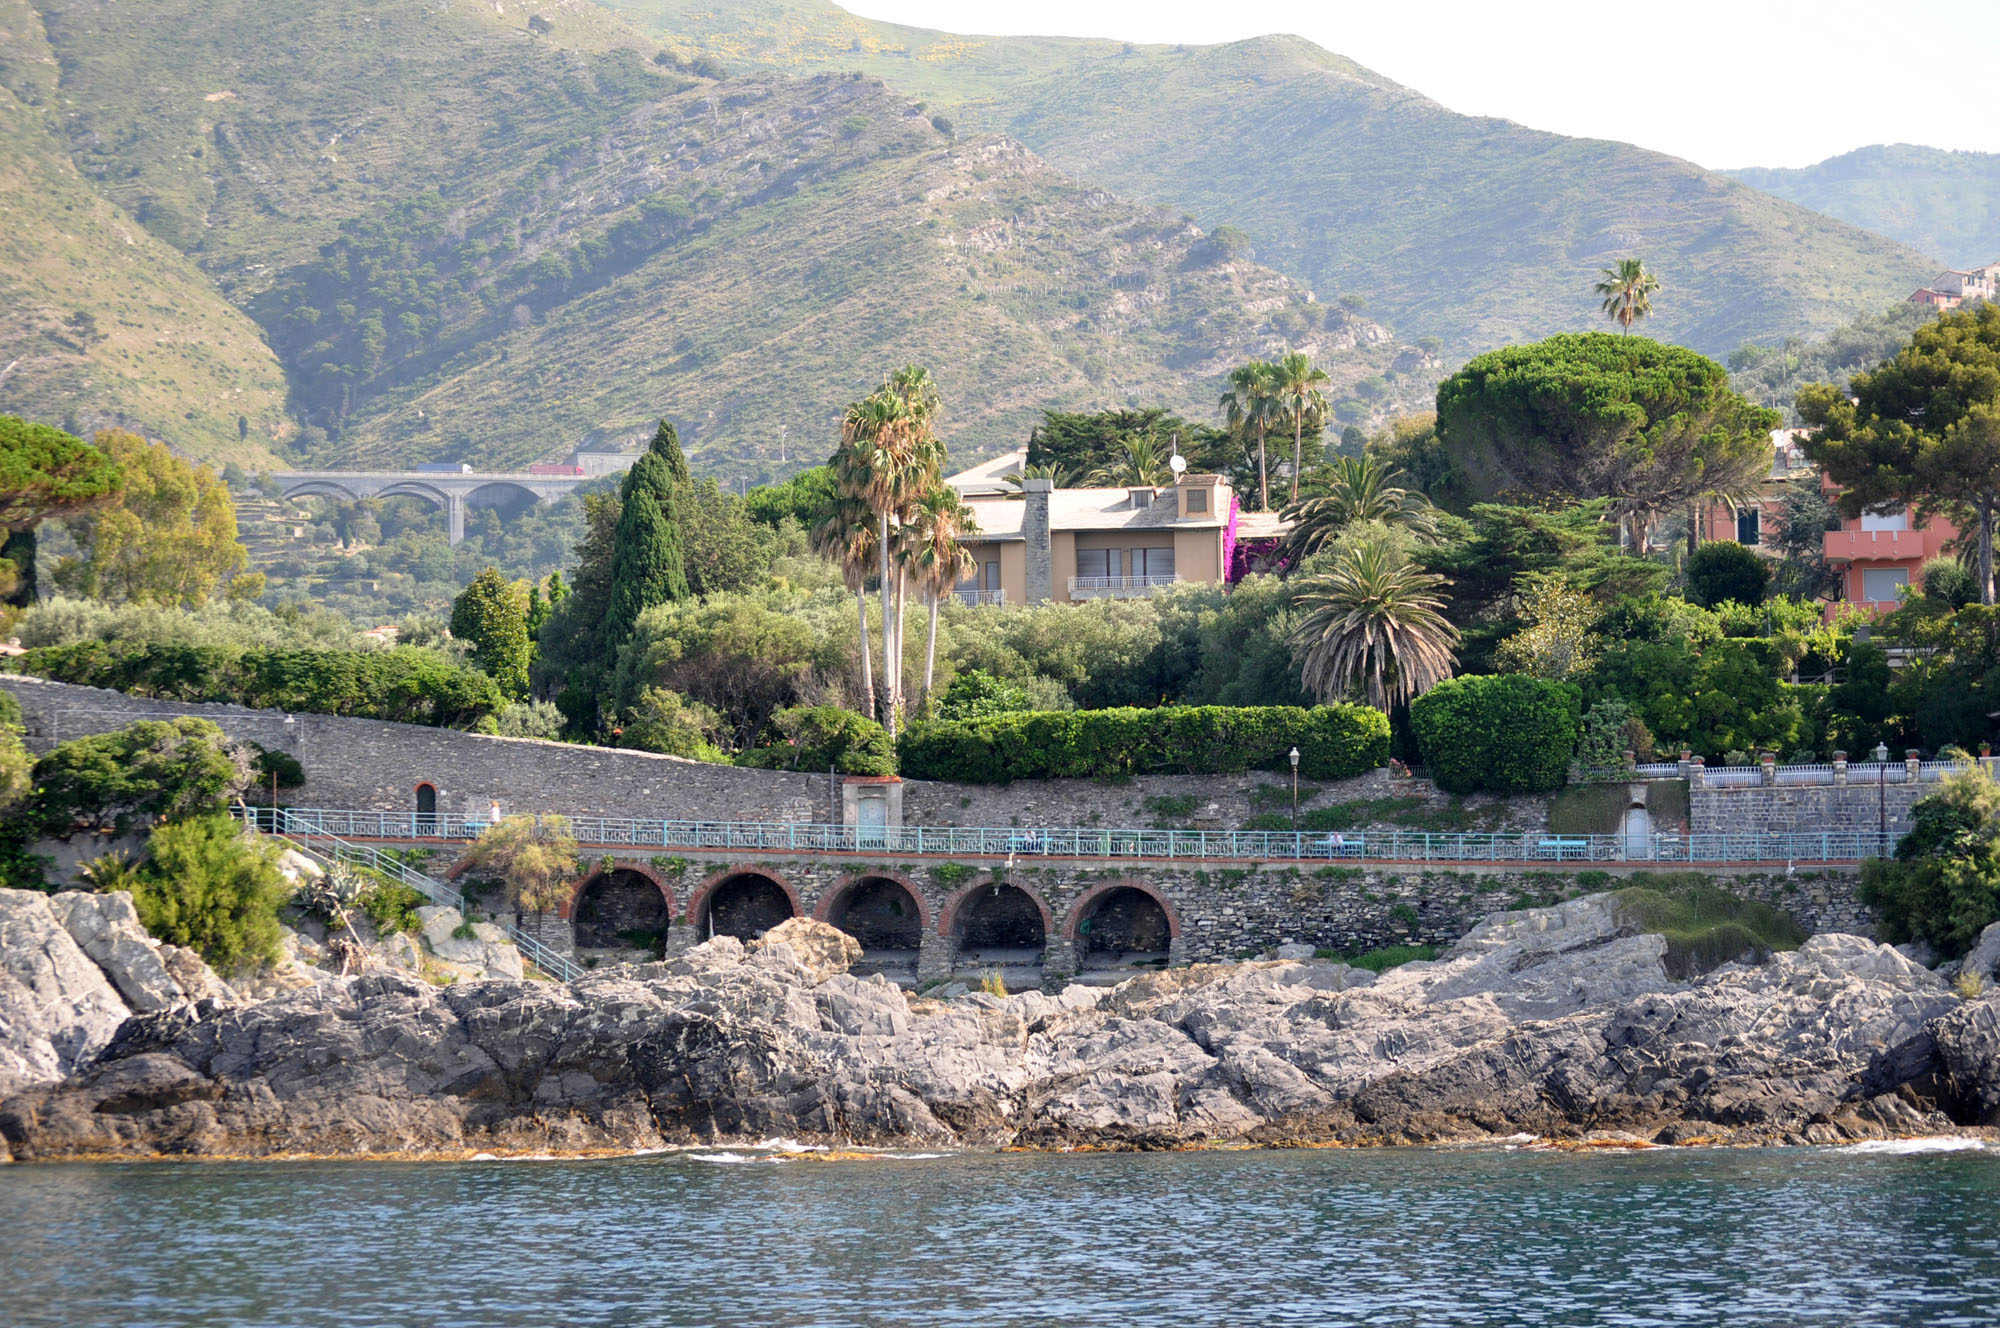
(1334, 742)
(406, 684)
(1500, 733)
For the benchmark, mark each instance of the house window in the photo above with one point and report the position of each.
(1746, 525)
(1093, 562)
(1197, 501)
(1898, 520)
(1880, 584)
(1153, 562)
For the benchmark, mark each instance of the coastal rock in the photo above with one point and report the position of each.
(106, 927)
(1561, 1022)
(484, 953)
(57, 1008)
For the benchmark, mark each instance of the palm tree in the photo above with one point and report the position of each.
(1296, 380)
(845, 535)
(1373, 623)
(939, 561)
(1628, 292)
(1058, 476)
(1140, 465)
(1362, 489)
(1251, 403)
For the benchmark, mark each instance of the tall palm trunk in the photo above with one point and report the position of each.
(867, 660)
(930, 656)
(1263, 478)
(889, 698)
(1986, 549)
(902, 605)
(1298, 444)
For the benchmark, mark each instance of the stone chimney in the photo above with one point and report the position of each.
(1041, 548)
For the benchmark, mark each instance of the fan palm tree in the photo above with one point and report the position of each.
(939, 560)
(1140, 464)
(845, 535)
(1296, 380)
(1362, 489)
(1058, 476)
(1251, 405)
(1628, 292)
(1373, 624)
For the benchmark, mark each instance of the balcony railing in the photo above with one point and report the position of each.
(1116, 587)
(978, 597)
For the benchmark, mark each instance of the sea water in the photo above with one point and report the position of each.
(1893, 1235)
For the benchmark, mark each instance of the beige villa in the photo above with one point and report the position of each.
(1038, 543)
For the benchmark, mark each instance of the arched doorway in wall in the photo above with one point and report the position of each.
(621, 909)
(427, 805)
(744, 905)
(1123, 927)
(887, 918)
(1001, 929)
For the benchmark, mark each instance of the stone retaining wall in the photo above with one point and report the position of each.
(1803, 810)
(1213, 915)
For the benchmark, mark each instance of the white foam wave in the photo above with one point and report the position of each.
(1950, 1143)
(722, 1157)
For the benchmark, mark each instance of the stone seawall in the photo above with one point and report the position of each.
(1073, 916)
(1803, 810)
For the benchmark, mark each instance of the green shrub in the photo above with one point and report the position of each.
(392, 907)
(664, 721)
(210, 887)
(276, 768)
(1704, 926)
(820, 737)
(1725, 570)
(407, 684)
(155, 769)
(1390, 956)
(1334, 742)
(1589, 809)
(1943, 886)
(1504, 733)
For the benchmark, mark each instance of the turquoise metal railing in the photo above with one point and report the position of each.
(1195, 845)
(309, 836)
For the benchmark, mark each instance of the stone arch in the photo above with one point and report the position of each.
(614, 906)
(739, 900)
(431, 494)
(485, 494)
(320, 489)
(886, 914)
(1120, 923)
(996, 914)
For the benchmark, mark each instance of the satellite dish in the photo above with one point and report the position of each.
(1177, 462)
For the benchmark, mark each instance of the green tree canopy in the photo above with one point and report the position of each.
(44, 473)
(1923, 428)
(492, 614)
(1648, 426)
(169, 538)
(1722, 571)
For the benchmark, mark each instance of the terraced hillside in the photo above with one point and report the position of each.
(495, 232)
(1475, 230)
(1943, 203)
(100, 323)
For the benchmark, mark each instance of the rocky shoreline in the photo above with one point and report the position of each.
(1561, 1023)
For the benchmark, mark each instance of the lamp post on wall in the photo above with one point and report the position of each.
(1881, 754)
(1295, 789)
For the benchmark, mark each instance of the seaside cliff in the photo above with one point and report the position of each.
(1561, 1022)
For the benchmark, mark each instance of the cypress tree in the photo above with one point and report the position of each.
(666, 445)
(647, 566)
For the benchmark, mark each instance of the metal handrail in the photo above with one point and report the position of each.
(664, 836)
(303, 833)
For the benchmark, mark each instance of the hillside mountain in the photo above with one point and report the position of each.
(1943, 203)
(493, 232)
(101, 324)
(1474, 230)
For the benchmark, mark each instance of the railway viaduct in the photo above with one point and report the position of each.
(450, 492)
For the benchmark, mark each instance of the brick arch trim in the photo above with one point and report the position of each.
(1081, 908)
(827, 901)
(698, 898)
(567, 909)
(948, 915)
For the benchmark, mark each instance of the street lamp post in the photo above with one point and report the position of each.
(1295, 789)
(1881, 755)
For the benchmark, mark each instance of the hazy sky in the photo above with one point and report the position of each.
(1723, 82)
